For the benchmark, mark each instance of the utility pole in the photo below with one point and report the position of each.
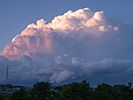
(7, 75)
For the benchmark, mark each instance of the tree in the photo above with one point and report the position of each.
(126, 93)
(42, 91)
(1, 97)
(20, 95)
(77, 91)
(105, 92)
(130, 84)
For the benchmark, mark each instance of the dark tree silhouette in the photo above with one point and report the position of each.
(1, 97)
(42, 91)
(73, 91)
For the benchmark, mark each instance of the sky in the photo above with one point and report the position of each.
(62, 41)
(15, 15)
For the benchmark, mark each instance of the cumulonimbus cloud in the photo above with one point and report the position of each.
(84, 42)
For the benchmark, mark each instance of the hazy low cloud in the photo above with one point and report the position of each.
(73, 46)
(27, 70)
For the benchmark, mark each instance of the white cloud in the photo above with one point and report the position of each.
(74, 45)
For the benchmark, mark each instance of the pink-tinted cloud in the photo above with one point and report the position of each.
(48, 38)
(76, 45)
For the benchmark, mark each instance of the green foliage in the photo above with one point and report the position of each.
(42, 91)
(20, 95)
(1, 97)
(77, 91)
(73, 91)
(105, 92)
(126, 93)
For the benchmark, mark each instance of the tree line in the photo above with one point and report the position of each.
(72, 91)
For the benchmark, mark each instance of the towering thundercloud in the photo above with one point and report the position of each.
(78, 45)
